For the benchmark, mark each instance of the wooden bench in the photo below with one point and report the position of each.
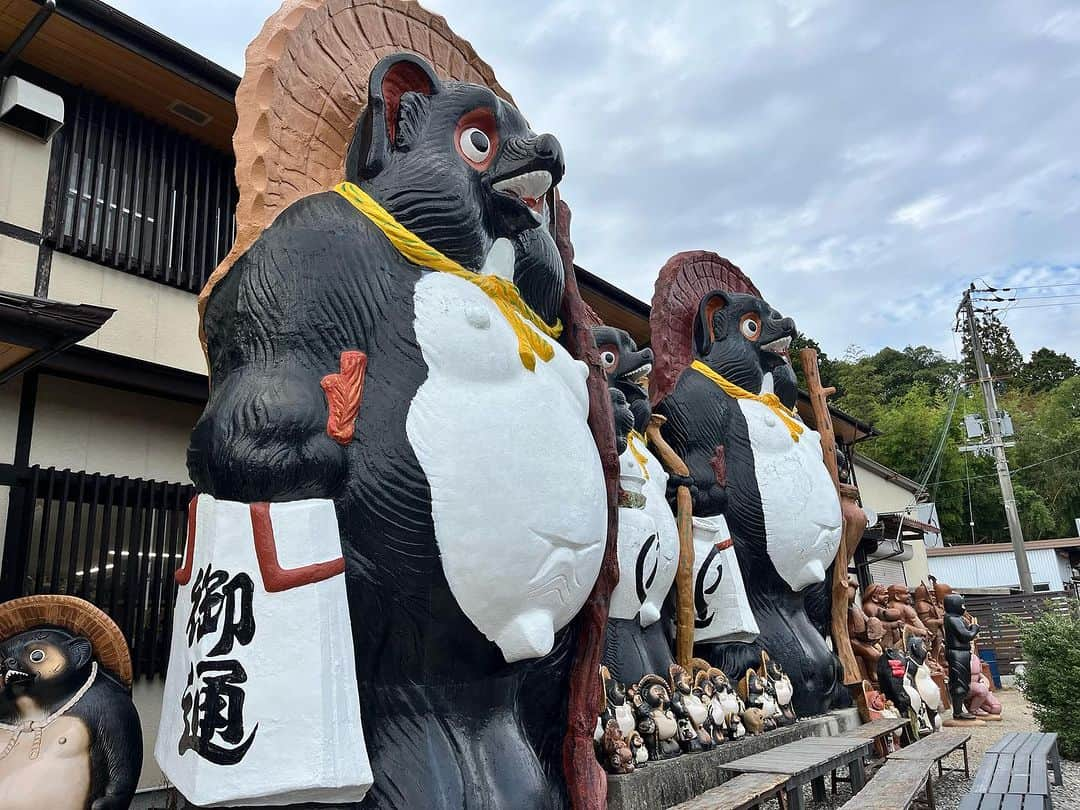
(895, 786)
(934, 748)
(808, 760)
(874, 730)
(1014, 773)
(741, 793)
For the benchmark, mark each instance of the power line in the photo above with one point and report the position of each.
(1033, 306)
(991, 288)
(1014, 472)
(1026, 297)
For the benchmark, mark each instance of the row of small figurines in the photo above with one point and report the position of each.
(689, 712)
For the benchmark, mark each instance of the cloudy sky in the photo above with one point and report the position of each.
(863, 162)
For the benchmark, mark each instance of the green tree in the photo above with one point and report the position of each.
(1047, 369)
(999, 348)
(826, 367)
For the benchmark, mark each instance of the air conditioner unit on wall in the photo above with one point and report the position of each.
(31, 109)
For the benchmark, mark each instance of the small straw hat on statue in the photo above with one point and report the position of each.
(76, 616)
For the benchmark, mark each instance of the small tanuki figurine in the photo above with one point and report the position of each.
(781, 687)
(706, 693)
(753, 691)
(638, 749)
(614, 706)
(689, 707)
(958, 637)
(920, 680)
(730, 704)
(981, 701)
(656, 721)
(69, 733)
(616, 754)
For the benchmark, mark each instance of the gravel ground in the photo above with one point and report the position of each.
(950, 789)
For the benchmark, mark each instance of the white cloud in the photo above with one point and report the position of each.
(863, 161)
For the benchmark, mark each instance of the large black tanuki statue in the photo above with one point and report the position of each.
(69, 733)
(724, 381)
(384, 372)
(637, 640)
(959, 634)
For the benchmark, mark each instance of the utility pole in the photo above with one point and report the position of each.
(997, 446)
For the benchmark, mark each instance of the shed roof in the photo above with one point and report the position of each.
(997, 548)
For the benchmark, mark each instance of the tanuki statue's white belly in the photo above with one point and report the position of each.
(517, 489)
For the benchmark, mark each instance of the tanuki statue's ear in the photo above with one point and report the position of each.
(79, 653)
(376, 134)
(705, 327)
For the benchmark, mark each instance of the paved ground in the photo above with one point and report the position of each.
(953, 786)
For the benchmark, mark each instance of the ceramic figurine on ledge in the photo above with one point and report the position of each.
(638, 749)
(958, 637)
(661, 729)
(723, 380)
(877, 707)
(752, 690)
(614, 705)
(706, 693)
(782, 689)
(730, 704)
(70, 737)
(636, 641)
(981, 702)
(616, 754)
(685, 703)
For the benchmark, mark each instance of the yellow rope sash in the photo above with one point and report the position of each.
(503, 292)
(639, 457)
(770, 401)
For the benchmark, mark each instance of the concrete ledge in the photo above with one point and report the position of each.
(660, 785)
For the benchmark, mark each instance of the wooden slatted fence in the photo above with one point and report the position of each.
(997, 615)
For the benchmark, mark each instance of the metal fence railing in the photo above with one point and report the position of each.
(112, 540)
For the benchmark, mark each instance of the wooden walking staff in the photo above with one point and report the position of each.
(853, 515)
(684, 575)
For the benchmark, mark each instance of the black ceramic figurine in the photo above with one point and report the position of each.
(614, 705)
(69, 734)
(383, 360)
(724, 381)
(958, 637)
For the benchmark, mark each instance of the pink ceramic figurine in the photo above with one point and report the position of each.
(981, 701)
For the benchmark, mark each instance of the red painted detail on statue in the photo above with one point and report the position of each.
(344, 391)
(183, 574)
(275, 578)
(724, 545)
(719, 464)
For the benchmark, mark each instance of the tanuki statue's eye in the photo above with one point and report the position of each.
(37, 656)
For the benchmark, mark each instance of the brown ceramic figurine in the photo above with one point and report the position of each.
(616, 754)
(70, 737)
(656, 721)
(900, 601)
(875, 603)
(865, 634)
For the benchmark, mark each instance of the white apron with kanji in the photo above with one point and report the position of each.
(261, 703)
(721, 610)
